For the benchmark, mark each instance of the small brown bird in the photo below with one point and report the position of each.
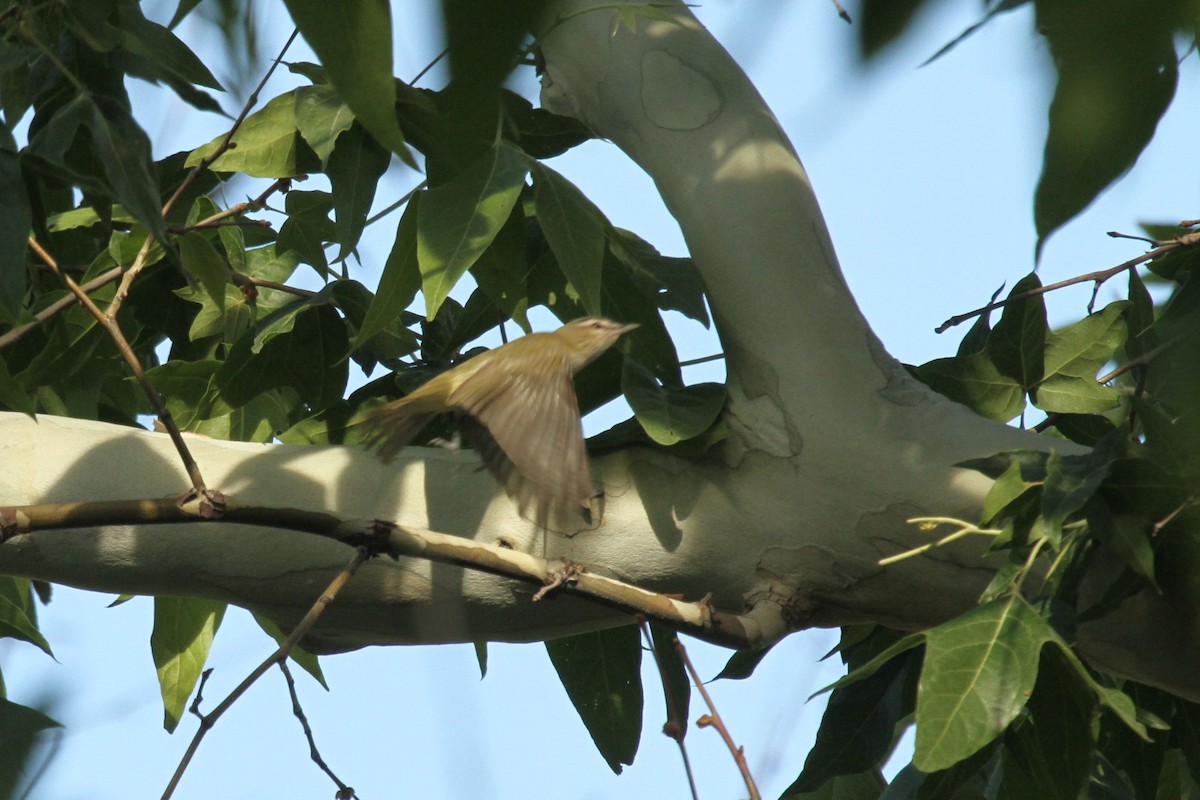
(516, 404)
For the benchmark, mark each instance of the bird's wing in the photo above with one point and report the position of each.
(528, 431)
(392, 427)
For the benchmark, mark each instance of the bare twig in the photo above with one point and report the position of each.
(58, 306)
(676, 725)
(1099, 277)
(139, 261)
(344, 792)
(207, 721)
(135, 366)
(713, 718)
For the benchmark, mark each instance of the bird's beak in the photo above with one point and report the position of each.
(624, 329)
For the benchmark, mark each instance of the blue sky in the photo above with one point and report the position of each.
(925, 177)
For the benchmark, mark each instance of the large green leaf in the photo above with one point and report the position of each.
(267, 144)
(353, 39)
(974, 381)
(183, 633)
(670, 414)
(574, 227)
(1017, 344)
(458, 220)
(1117, 70)
(1074, 356)
(1049, 753)
(18, 618)
(400, 280)
(321, 117)
(354, 169)
(601, 673)
(978, 671)
(859, 724)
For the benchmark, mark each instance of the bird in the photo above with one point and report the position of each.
(516, 404)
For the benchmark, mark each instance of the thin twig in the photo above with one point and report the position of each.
(713, 718)
(57, 307)
(207, 721)
(139, 261)
(676, 725)
(691, 362)
(1100, 276)
(344, 792)
(135, 366)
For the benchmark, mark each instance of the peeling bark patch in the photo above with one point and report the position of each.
(676, 96)
(755, 411)
(798, 577)
(901, 388)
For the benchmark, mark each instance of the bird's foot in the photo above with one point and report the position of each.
(568, 573)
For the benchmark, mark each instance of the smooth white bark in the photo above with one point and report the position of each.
(836, 447)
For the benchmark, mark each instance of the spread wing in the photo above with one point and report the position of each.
(524, 422)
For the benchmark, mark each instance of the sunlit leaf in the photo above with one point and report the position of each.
(353, 39)
(458, 220)
(183, 633)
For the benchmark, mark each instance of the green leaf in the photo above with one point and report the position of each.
(21, 722)
(481, 658)
(354, 169)
(868, 785)
(308, 359)
(123, 149)
(1048, 754)
(859, 724)
(670, 414)
(308, 228)
(306, 660)
(321, 117)
(353, 40)
(502, 270)
(1127, 535)
(1070, 483)
(601, 673)
(675, 283)
(978, 670)
(1073, 357)
(1017, 343)
(741, 664)
(202, 261)
(575, 228)
(12, 395)
(974, 381)
(1008, 487)
(267, 144)
(400, 280)
(183, 633)
(458, 220)
(17, 617)
(15, 225)
(1117, 70)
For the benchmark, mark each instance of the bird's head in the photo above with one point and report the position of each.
(587, 337)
